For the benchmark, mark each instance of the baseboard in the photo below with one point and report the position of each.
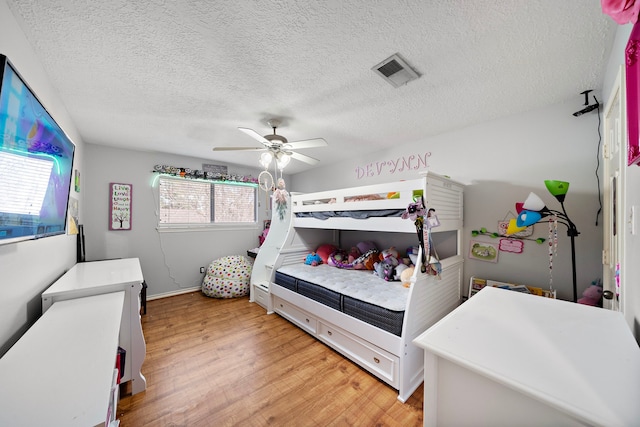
(173, 293)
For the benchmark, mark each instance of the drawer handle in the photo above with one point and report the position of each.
(307, 320)
(375, 359)
(281, 306)
(329, 333)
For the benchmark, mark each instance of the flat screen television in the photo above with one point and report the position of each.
(36, 163)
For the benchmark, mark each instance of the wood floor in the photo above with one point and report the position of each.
(213, 362)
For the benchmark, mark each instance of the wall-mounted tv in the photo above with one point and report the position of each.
(36, 163)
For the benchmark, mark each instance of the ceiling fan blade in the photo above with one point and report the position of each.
(255, 135)
(306, 159)
(307, 143)
(239, 148)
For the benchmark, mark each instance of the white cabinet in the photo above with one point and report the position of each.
(60, 372)
(101, 277)
(504, 359)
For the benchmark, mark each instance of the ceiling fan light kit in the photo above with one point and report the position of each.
(278, 147)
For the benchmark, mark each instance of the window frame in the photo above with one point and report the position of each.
(207, 226)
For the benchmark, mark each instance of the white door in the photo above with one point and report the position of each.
(614, 161)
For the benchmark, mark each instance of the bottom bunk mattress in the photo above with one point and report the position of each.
(358, 293)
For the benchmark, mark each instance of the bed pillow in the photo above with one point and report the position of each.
(325, 250)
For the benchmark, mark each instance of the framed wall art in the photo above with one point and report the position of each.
(483, 251)
(120, 201)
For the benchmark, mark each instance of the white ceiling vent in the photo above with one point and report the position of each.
(396, 71)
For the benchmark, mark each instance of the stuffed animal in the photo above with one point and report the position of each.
(378, 269)
(339, 259)
(592, 295)
(398, 271)
(389, 256)
(354, 253)
(383, 270)
(313, 259)
(406, 275)
(413, 211)
(262, 237)
(412, 253)
(367, 246)
(388, 271)
(366, 261)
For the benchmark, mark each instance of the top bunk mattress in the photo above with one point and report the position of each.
(361, 285)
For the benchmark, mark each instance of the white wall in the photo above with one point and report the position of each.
(27, 268)
(170, 260)
(502, 161)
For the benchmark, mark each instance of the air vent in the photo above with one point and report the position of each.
(396, 71)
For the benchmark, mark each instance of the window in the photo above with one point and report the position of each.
(195, 202)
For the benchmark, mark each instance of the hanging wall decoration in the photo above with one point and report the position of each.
(120, 206)
(515, 246)
(483, 251)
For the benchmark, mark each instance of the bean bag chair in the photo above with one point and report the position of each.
(227, 277)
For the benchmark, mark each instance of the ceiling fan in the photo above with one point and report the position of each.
(278, 144)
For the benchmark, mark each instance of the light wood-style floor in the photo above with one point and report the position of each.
(213, 362)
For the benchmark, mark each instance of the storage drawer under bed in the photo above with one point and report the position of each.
(294, 315)
(379, 362)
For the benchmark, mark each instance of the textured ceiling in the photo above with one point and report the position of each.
(181, 76)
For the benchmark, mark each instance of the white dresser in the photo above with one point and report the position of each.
(100, 277)
(508, 359)
(61, 371)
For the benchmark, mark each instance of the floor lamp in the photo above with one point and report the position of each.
(533, 210)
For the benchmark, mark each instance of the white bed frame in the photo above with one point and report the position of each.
(394, 359)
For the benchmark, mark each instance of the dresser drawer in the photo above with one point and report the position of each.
(295, 315)
(377, 361)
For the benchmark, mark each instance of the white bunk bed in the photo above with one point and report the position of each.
(390, 356)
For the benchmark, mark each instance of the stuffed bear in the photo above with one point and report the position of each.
(313, 259)
(591, 296)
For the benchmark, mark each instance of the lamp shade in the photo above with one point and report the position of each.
(534, 203)
(527, 218)
(283, 160)
(513, 228)
(265, 159)
(557, 188)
